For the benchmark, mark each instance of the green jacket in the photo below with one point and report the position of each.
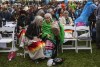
(47, 29)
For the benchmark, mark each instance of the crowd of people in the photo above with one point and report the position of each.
(43, 41)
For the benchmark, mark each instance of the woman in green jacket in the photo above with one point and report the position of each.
(48, 34)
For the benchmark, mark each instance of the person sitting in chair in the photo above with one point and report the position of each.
(33, 36)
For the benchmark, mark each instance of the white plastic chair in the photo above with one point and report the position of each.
(83, 34)
(70, 37)
(12, 24)
(8, 39)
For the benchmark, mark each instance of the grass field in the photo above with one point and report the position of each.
(71, 59)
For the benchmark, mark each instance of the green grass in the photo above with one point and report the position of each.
(71, 59)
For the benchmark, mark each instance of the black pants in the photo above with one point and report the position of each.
(93, 35)
(98, 33)
(57, 45)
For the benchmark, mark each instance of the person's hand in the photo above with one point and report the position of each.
(39, 34)
(36, 39)
(20, 27)
(40, 39)
(26, 48)
(48, 35)
(26, 26)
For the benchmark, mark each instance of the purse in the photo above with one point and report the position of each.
(55, 28)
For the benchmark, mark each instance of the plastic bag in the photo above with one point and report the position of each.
(11, 55)
(80, 24)
(49, 48)
(49, 45)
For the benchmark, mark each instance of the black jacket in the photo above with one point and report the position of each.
(33, 30)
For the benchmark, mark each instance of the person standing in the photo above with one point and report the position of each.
(98, 26)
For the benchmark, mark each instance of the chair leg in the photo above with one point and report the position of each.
(24, 53)
(76, 50)
(76, 46)
(91, 46)
(91, 50)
